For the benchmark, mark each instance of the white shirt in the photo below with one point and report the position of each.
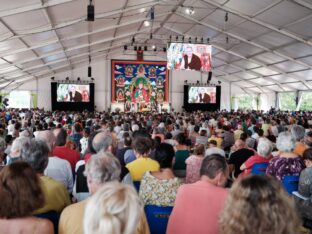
(84, 145)
(60, 170)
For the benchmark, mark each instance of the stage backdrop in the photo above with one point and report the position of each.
(140, 85)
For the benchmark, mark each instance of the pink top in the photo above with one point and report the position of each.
(197, 209)
(193, 164)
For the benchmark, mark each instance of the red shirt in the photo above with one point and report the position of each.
(72, 156)
(197, 209)
(253, 160)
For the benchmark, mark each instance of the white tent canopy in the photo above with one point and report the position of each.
(264, 47)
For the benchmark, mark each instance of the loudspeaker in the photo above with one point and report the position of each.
(209, 77)
(89, 71)
(90, 13)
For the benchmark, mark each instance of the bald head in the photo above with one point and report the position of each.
(239, 144)
(102, 141)
(60, 136)
(48, 137)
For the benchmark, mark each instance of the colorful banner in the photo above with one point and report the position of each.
(141, 86)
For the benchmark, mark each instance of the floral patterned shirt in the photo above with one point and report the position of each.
(193, 164)
(281, 166)
(158, 192)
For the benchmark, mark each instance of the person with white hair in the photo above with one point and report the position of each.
(101, 168)
(263, 155)
(286, 162)
(15, 151)
(114, 208)
(298, 133)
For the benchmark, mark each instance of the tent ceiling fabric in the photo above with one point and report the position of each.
(265, 46)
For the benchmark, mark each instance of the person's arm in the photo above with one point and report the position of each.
(242, 167)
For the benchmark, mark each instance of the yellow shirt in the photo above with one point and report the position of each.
(218, 140)
(55, 195)
(237, 134)
(138, 167)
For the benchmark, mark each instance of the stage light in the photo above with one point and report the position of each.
(67, 78)
(208, 40)
(196, 39)
(78, 78)
(153, 47)
(197, 82)
(133, 39)
(145, 48)
(92, 79)
(190, 40)
(185, 81)
(182, 38)
(90, 12)
(140, 48)
(146, 23)
(52, 78)
(142, 10)
(190, 11)
(202, 40)
(219, 82)
(170, 37)
(177, 38)
(165, 49)
(135, 48)
(151, 36)
(125, 47)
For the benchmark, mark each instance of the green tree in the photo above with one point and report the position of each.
(306, 101)
(287, 101)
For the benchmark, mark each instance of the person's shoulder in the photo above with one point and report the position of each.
(52, 183)
(69, 210)
(44, 226)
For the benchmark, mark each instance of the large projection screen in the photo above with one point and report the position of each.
(185, 56)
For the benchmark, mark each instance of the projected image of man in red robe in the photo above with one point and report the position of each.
(190, 60)
(203, 96)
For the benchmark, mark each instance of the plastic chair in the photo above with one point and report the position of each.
(259, 168)
(137, 185)
(53, 216)
(157, 218)
(291, 183)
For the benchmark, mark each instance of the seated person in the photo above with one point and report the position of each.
(258, 204)
(181, 155)
(198, 206)
(193, 164)
(304, 201)
(114, 208)
(239, 156)
(143, 163)
(21, 195)
(263, 155)
(160, 187)
(214, 149)
(286, 162)
(56, 196)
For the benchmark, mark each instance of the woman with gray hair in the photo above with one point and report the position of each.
(286, 162)
(298, 133)
(263, 155)
(15, 152)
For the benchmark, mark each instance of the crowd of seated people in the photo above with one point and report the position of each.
(187, 161)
